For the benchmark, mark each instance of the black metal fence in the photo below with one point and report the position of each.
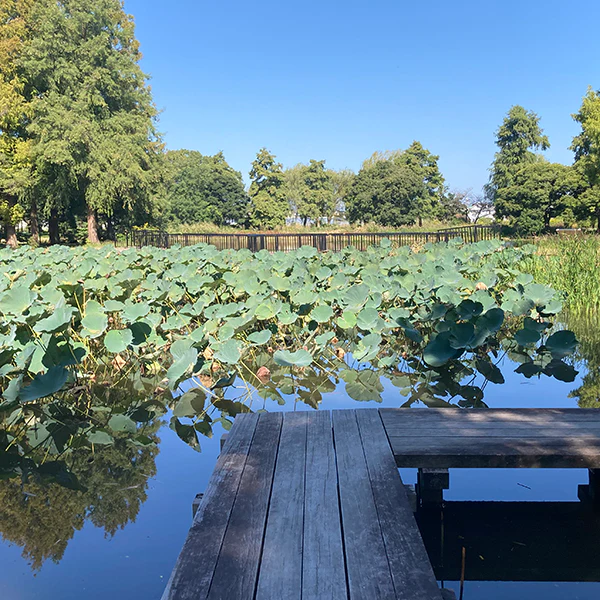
(274, 242)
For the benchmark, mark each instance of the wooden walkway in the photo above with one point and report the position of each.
(310, 505)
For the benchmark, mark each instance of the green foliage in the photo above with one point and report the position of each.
(91, 145)
(586, 146)
(538, 192)
(316, 203)
(388, 193)
(269, 205)
(570, 265)
(517, 138)
(204, 189)
(398, 188)
(144, 326)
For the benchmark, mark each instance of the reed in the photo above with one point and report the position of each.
(570, 265)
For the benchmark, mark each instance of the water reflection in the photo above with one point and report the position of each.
(77, 477)
(42, 517)
(512, 541)
(585, 326)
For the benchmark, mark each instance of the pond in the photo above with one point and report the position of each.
(102, 422)
(121, 539)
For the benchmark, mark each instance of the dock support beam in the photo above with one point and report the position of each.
(431, 484)
(591, 492)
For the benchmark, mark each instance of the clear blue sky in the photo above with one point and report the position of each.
(340, 80)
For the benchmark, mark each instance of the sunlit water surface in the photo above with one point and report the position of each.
(136, 561)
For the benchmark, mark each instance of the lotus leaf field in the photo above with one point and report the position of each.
(96, 344)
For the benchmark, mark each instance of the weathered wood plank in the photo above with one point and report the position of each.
(193, 572)
(511, 415)
(491, 430)
(237, 568)
(409, 565)
(367, 564)
(484, 452)
(323, 571)
(280, 573)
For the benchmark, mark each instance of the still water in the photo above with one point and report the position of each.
(122, 540)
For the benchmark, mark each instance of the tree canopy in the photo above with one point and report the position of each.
(317, 203)
(388, 193)
(539, 191)
(82, 105)
(204, 189)
(269, 205)
(586, 146)
(519, 136)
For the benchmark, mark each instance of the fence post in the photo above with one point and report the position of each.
(475, 233)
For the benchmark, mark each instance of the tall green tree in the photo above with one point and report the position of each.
(15, 31)
(317, 202)
(586, 146)
(539, 191)
(294, 185)
(388, 193)
(342, 181)
(425, 165)
(519, 136)
(95, 147)
(268, 197)
(204, 189)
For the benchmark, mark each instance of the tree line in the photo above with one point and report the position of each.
(527, 191)
(81, 155)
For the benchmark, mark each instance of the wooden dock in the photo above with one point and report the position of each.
(311, 506)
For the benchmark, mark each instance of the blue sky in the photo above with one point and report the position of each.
(340, 80)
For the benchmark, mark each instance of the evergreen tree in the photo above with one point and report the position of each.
(425, 165)
(316, 201)
(95, 147)
(517, 138)
(269, 205)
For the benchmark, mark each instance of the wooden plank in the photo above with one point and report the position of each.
(367, 565)
(511, 415)
(281, 563)
(194, 569)
(237, 568)
(409, 564)
(483, 452)
(323, 570)
(497, 431)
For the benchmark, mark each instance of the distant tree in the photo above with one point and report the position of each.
(586, 146)
(204, 189)
(95, 148)
(517, 138)
(387, 193)
(294, 185)
(453, 206)
(268, 197)
(539, 192)
(317, 202)
(425, 165)
(342, 181)
(478, 206)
